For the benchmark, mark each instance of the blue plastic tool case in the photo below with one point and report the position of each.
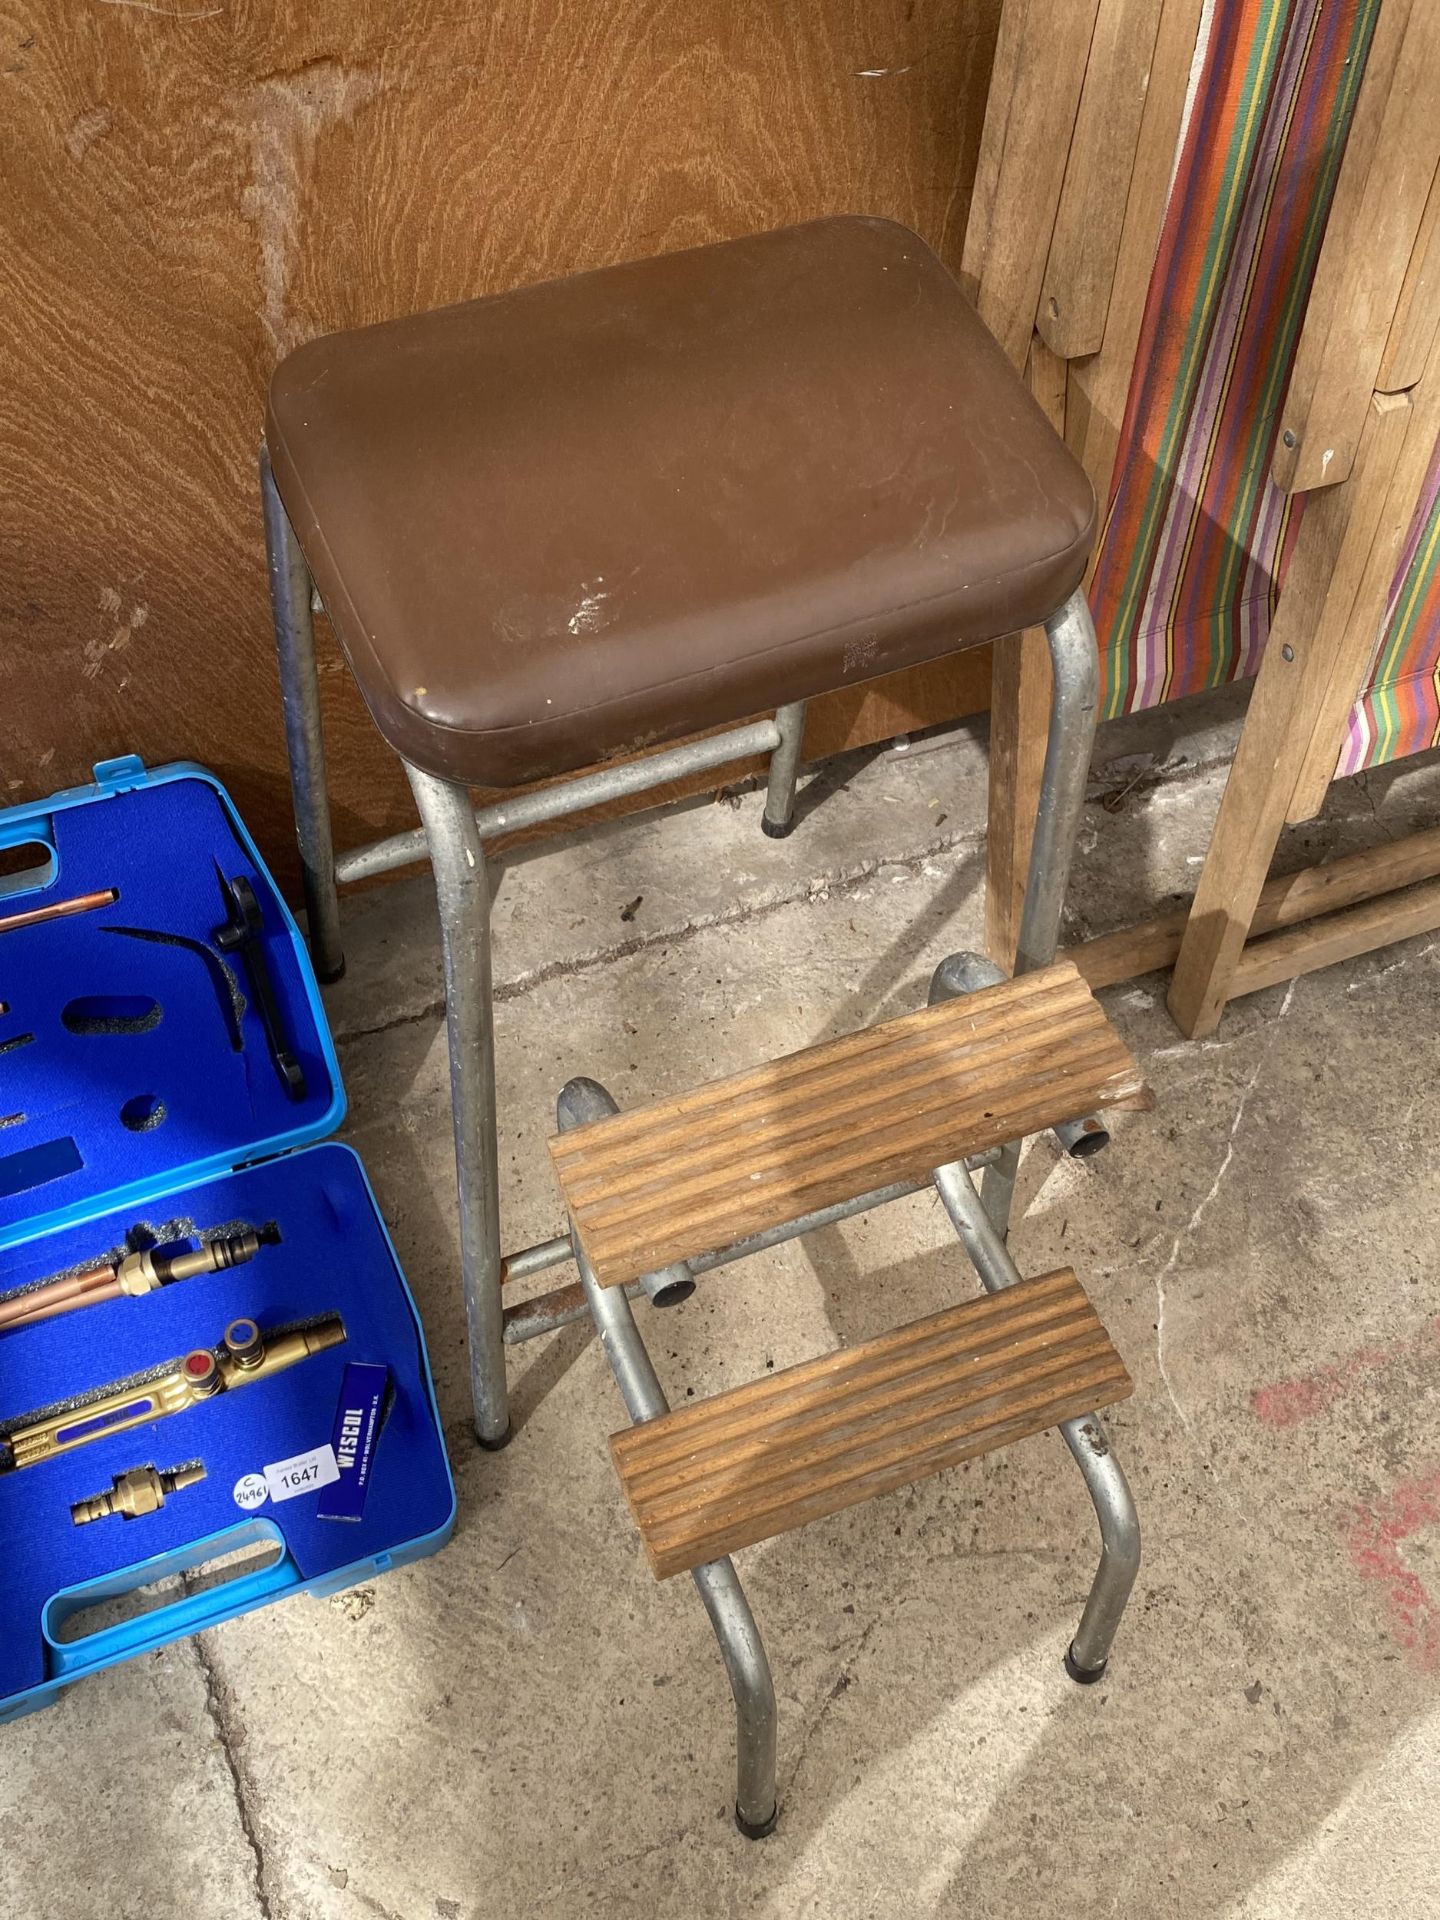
(140, 1105)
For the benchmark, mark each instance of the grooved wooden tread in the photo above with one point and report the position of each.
(695, 1172)
(791, 1447)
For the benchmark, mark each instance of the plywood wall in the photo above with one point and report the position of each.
(193, 186)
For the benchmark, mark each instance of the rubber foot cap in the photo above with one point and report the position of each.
(1083, 1676)
(329, 979)
(754, 1832)
(773, 832)
(494, 1446)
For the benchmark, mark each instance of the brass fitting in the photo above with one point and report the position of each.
(134, 1275)
(246, 1354)
(141, 1490)
(140, 1273)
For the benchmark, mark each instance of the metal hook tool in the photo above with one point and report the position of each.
(244, 933)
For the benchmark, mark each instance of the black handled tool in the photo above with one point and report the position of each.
(244, 933)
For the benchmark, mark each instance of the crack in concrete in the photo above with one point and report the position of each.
(431, 1009)
(1201, 1209)
(346, 1884)
(608, 1865)
(220, 1705)
(1394, 966)
(370, 1903)
(1180, 778)
(839, 1685)
(809, 892)
(1053, 1554)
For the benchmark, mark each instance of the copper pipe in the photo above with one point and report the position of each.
(60, 909)
(56, 1296)
(89, 1298)
(135, 1274)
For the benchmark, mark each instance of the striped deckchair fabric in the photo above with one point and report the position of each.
(1197, 535)
(1399, 711)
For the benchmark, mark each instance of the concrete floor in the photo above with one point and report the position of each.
(528, 1724)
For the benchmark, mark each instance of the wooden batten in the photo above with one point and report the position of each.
(1286, 900)
(1353, 646)
(1085, 245)
(1375, 221)
(720, 1474)
(1099, 385)
(1339, 936)
(1412, 331)
(1330, 554)
(1039, 70)
(703, 1169)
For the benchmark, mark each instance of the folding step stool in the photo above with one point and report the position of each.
(568, 523)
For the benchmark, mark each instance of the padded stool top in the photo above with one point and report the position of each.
(584, 517)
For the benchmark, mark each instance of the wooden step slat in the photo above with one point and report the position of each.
(697, 1171)
(789, 1448)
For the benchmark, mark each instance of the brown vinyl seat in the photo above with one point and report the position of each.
(592, 515)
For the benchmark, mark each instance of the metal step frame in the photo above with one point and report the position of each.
(982, 1237)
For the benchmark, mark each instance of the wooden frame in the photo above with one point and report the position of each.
(1361, 443)
(1361, 422)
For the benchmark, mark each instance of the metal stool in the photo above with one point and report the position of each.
(582, 518)
(577, 521)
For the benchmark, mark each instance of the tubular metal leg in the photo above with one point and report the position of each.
(1085, 1437)
(290, 588)
(778, 818)
(717, 1583)
(1119, 1547)
(1073, 707)
(463, 890)
(756, 1807)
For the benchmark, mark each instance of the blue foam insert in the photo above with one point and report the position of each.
(334, 1256)
(158, 842)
